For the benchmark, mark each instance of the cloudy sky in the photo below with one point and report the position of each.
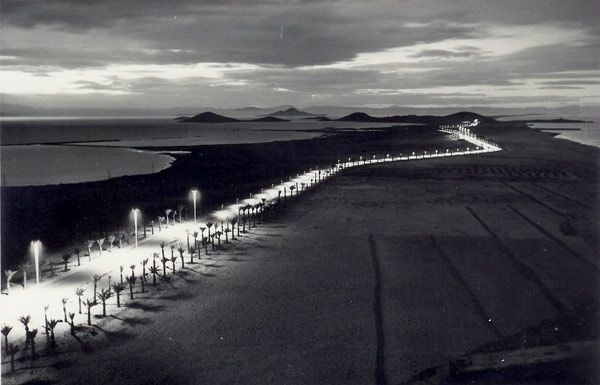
(223, 53)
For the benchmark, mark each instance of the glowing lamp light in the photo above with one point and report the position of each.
(36, 255)
(194, 196)
(135, 225)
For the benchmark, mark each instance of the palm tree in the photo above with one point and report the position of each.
(143, 283)
(205, 244)
(121, 273)
(181, 255)
(164, 263)
(208, 226)
(12, 350)
(227, 231)
(51, 325)
(103, 296)
(66, 257)
(144, 263)
(180, 208)
(202, 228)
(218, 235)
(96, 278)
(72, 323)
(90, 304)
(9, 274)
(79, 292)
(24, 319)
(24, 267)
(132, 267)
(77, 252)
(31, 336)
(162, 249)
(46, 321)
(159, 223)
(51, 263)
(168, 212)
(292, 188)
(196, 237)
(90, 244)
(172, 250)
(100, 243)
(5, 331)
(131, 282)
(111, 241)
(154, 271)
(233, 221)
(192, 251)
(64, 306)
(173, 260)
(118, 288)
(212, 241)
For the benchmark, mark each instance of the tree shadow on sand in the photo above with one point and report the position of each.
(177, 296)
(133, 321)
(145, 307)
(85, 346)
(201, 272)
(235, 259)
(120, 335)
(38, 382)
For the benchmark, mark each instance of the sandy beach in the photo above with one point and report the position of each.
(383, 273)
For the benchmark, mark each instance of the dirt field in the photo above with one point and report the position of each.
(381, 275)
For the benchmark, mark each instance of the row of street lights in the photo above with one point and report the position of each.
(36, 245)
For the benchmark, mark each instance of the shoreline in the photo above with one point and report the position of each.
(221, 172)
(249, 297)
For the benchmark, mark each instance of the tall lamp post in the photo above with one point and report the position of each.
(36, 256)
(194, 195)
(135, 220)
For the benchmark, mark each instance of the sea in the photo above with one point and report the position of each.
(42, 151)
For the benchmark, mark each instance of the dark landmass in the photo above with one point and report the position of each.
(267, 119)
(556, 129)
(291, 112)
(207, 117)
(416, 119)
(561, 120)
(211, 117)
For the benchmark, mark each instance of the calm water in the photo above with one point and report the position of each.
(588, 133)
(34, 152)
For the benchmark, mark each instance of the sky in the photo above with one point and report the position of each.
(227, 53)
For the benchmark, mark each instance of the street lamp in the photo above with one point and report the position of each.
(36, 256)
(194, 195)
(135, 220)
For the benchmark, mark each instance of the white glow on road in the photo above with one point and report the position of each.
(50, 291)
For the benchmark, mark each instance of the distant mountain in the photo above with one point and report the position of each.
(268, 119)
(291, 113)
(211, 117)
(560, 120)
(416, 119)
(207, 117)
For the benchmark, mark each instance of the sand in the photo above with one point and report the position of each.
(383, 272)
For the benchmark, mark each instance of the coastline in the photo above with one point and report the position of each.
(222, 173)
(303, 285)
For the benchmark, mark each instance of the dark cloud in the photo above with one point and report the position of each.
(283, 37)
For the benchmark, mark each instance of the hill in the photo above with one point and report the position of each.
(207, 117)
(291, 113)
(416, 119)
(268, 119)
(211, 117)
